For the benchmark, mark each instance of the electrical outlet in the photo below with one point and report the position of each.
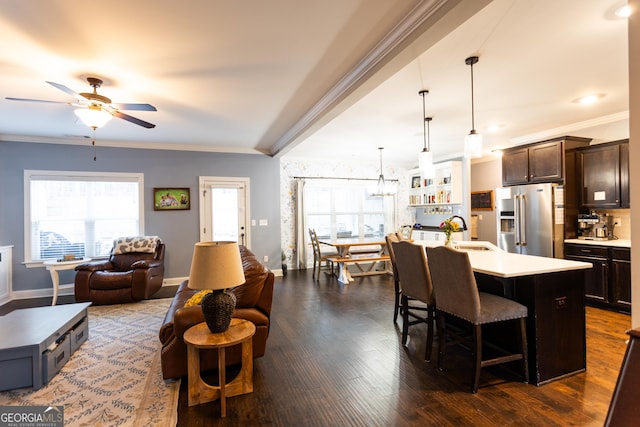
(265, 258)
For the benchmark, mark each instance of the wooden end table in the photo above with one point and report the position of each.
(199, 336)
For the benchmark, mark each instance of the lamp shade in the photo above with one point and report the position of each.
(93, 116)
(473, 145)
(216, 265)
(425, 163)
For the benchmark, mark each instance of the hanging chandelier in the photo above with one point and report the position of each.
(473, 141)
(425, 158)
(382, 188)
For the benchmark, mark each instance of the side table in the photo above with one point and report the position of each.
(199, 336)
(54, 266)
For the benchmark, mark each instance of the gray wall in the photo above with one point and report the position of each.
(486, 176)
(178, 229)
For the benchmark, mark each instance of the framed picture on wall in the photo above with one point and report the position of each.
(171, 199)
(415, 181)
(482, 200)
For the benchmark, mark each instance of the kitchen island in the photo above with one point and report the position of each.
(553, 291)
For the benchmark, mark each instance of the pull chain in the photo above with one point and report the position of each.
(93, 143)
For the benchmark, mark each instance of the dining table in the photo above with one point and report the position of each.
(358, 251)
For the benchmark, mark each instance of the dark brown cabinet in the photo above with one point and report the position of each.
(539, 162)
(624, 175)
(621, 278)
(608, 283)
(604, 175)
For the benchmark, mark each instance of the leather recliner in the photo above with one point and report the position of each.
(124, 277)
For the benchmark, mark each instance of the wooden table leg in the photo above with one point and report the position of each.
(193, 373)
(223, 381)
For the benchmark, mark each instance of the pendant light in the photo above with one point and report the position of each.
(382, 188)
(473, 141)
(425, 158)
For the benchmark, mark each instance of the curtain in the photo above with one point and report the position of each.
(300, 255)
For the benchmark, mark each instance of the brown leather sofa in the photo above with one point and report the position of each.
(125, 277)
(253, 303)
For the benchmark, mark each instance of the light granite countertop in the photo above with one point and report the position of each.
(489, 259)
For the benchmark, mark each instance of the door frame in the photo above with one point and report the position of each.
(204, 182)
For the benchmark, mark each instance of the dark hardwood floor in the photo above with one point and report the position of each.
(334, 358)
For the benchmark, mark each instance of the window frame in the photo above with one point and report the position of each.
(41, 175)
(389, 212)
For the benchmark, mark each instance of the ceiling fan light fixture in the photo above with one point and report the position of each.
(93, 116)
(473, 141)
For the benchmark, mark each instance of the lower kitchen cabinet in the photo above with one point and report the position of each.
(621, 278)
(608, 283)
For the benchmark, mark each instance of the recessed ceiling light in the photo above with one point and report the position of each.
(624, 11)
(588, 99)
(494, 128)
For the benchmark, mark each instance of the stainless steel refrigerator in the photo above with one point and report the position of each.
(530, 219)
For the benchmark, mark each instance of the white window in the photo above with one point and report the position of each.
(80, 213)
(344, 208)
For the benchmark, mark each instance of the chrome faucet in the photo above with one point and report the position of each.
(464, 224)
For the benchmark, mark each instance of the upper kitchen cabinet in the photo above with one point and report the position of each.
(539, 162)
(604, 175)
(624, 175)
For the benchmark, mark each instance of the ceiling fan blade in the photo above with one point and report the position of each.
(138, 107)
(35, 100)
(64, 89)
(133, 120)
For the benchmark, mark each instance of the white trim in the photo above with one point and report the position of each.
(571, 127)
(206, 182)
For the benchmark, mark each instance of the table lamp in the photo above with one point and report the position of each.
(217, 266)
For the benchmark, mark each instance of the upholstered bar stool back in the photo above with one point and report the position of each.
(457, 294)
(415, 283)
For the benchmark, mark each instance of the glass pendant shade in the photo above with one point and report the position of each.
(425, 163)
(473, 145)
(93, 116)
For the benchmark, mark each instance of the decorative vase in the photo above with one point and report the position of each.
(448, 241)
(217, 308)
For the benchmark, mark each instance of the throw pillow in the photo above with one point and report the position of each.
(196, 298)
(146, 244)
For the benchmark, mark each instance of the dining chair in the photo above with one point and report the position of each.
(391, 238)
(455, 289)
(415, 286)
(318, 256)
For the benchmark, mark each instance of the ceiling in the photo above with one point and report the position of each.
(330, 78)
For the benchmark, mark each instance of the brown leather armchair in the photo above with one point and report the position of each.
(124, 277)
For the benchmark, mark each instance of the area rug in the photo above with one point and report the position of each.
(114, 378)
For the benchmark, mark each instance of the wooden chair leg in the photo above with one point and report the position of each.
(441, 338)
(396, 308)
(525, 349)
(405, 319)
(430, 320)
(477, 341)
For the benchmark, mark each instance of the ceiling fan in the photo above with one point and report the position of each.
(95, 109)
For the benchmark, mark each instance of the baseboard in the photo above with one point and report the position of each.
(68, 289)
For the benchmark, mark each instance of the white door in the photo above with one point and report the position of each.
(224, 209)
